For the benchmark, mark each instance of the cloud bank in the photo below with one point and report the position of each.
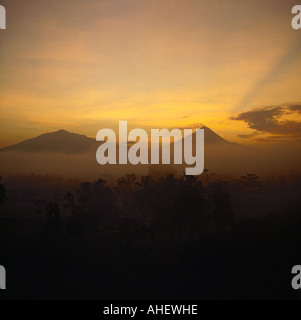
(273, 123)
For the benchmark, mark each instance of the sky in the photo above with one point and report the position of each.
(81, 66)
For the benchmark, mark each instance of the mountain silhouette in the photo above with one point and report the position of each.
(213, 138)
(71, 154)
(60, 141)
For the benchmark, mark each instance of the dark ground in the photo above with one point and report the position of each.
(184, 248)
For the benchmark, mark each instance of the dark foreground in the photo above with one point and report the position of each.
(169, 239)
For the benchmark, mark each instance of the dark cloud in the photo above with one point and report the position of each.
(271, 120)
(248, 136)
(264, 119)
(295, 108)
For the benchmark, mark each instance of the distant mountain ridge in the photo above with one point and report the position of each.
(62, 141)
(213, 138)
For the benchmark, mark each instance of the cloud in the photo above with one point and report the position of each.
(248, 136)
(281, 122)
(295, 108)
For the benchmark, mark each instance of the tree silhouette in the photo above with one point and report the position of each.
(53, 216)
(93, 205)
(125, 191)
(77, 224)
(252, 183)
(222, 214)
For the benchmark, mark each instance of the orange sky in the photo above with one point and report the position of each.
(84, 65)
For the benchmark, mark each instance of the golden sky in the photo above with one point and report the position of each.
(84, 65)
